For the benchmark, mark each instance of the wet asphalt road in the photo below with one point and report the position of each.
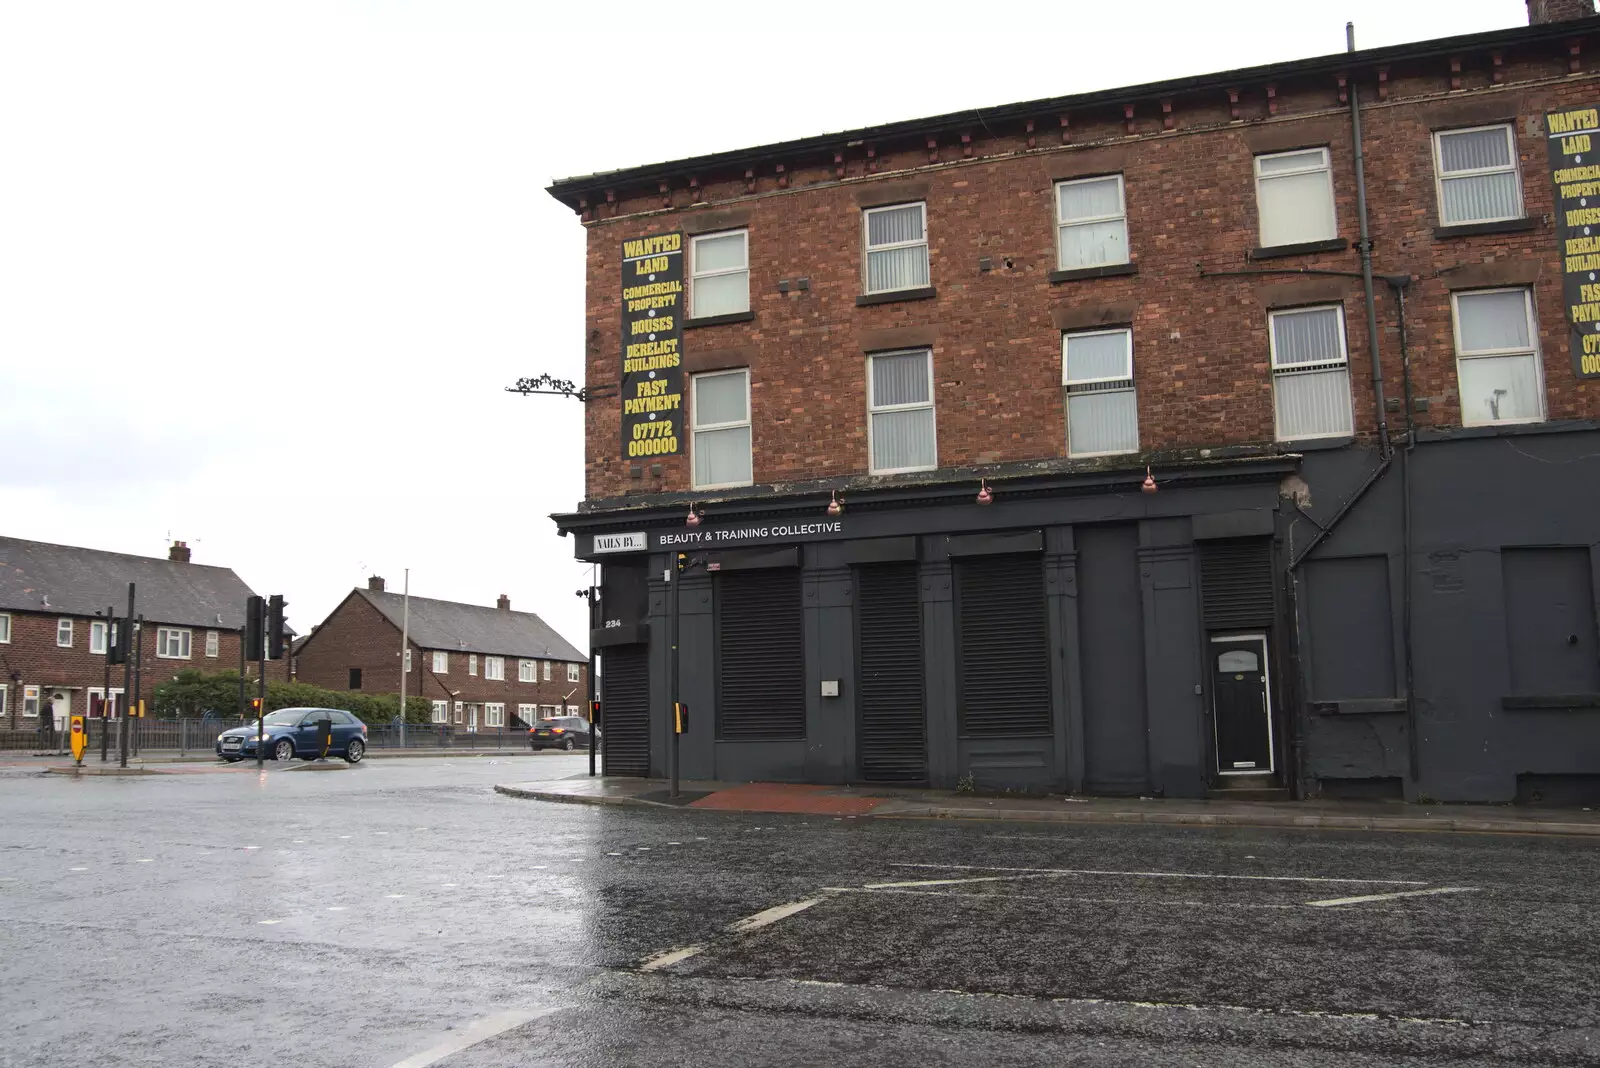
(402, 912)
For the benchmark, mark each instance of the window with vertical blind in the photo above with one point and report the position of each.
(441, 711)
(721, 429)
(1102, 411)
(494, 668)
(1497, 357)
(525, 669)
(1091, 223)
(719, 281)
(441, 663)
(1476, 170)
(900, 428)
(1294, 197)
(897, 247)
(1310, 373)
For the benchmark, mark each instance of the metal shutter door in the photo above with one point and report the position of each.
(889, 628)
(1004, 656)
(760, 651)
(1236, 583)
(625, 712)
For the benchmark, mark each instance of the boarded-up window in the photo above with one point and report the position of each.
(1351, 640)
(1550, 620)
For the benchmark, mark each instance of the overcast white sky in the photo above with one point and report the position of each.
(265, 267)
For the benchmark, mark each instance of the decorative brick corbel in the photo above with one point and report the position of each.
(1032, 141)
(1167, 121)
(783, 177)
(1272, 100)
(1383, 83)
(1574, 56)
(749, 180)
(1233, 104)
(1455, 73)
(933, 150)
(666, 194)
(838, 163)
(1499, 60)
(1066, 128)
(1127, 117)
(966, 145)
(1343, 79)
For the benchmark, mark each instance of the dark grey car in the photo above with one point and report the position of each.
(562, 732)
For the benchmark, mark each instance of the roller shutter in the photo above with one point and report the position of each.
(760, 655)
(1004, 657)
(625, 710)
(1236, 583)
(892, 744)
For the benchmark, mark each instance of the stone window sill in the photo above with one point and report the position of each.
(1504, 226)
(1306, 248)
(1110, 270)
(719, 320)
(921, 293)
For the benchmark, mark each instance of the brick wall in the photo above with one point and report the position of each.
(357, 635)
(34, 655)
(1201, 360)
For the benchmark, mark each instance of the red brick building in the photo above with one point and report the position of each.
(478, 667)
(54, 629)
(1157, 439)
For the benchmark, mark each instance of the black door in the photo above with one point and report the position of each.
(1239, 688)
(893, 743)
(625, 710)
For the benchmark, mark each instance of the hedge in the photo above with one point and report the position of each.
(194, 693)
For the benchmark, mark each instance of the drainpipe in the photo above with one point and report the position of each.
(1384, 448)
(1413, 742)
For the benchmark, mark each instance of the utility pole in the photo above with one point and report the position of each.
(255, 647)
(138, 680)
(405, 653)
(127, 684)
(107, 704)
(242, 632)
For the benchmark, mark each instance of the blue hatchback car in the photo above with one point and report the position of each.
(294, 732)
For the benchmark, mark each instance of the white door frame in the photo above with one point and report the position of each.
(472, 717)
(1266, 677)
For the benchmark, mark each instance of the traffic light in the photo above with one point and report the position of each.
(255, 618)
(275, 627)
(594, 711)
(255, 705)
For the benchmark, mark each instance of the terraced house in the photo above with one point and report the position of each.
(56, 603)
(1225, 434)
(480, 668)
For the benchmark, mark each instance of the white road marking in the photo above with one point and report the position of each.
(644, 849)
(252, 847)
(341, 836)
(1137, 902)
(674, 843)
(670, 957)
(1363, 899)
(540, 867)
(298, 841)
(269, 923)
(394, 897)
(1171, 874)
(145, 860)
(470, 1035)
(337, 908)
(77, 869)
(949, 882)
(770, 916)
(613, 854)
(449, 886)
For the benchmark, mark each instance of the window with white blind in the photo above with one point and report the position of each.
(494, 668)
(441, 711)
(900, 428)
(528, 714)
(214, 646)
(525, 670)
(897, 247)
(1310, 373)
(472, 663)
(64, 633)
(494, 715)
(97, 637)
(1497, 357)
(547, 671)
(1102, 411)
(441, 663)
(172, 643)
(1294, 197)
(572, 672)
(1477, 177)
(719, 282)
(5, 628)
(721, 429)
(1091, 223)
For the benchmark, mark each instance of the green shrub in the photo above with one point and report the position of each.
(195, 692)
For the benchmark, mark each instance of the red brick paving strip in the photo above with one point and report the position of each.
(775, 797)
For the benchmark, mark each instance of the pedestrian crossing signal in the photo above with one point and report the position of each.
(255, 704)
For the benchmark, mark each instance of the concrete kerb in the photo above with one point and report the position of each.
(1264, 818)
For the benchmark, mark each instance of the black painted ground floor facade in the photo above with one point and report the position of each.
(1251, 624)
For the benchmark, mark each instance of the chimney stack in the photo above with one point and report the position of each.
(1541, 12)
(178, 552)
(504, 603)
(375, 584)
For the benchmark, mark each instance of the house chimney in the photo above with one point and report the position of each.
(178, 552)
(375, 584)
(1541, 12)
(504, 603)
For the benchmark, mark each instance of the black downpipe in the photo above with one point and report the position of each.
(1384, 448)
(1413, 742)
